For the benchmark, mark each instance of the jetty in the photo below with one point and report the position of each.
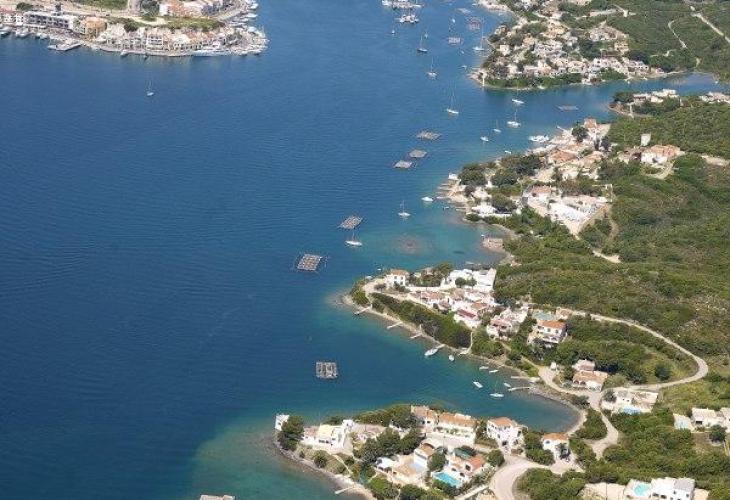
(326, 369)
(309, 262)
(390, 327)
(417, 154)
(428, 135)
(351, 222)
(403, 165)
(364, 309)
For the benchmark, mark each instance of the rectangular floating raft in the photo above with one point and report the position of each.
(454, 40)
(326, 369)
(309, 262)
(428, 135)
(402, 164)
(417, 154)
(351, 222)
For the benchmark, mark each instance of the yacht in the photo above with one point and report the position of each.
(22, 33)
(497, 395)
(506, 384)
(421, 48)
(484, 368)
(403, 214)
(517, 102)
(431, 352)
(123, 53)
(150, 92)
(496, 129)
(514, 123)
(484, 138)
(431, 72)
(493, 371)
(353, 242)
(427, 199)
(4, 32)
(477, 384)
(451, 109)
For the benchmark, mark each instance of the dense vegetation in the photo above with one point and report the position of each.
(541, 484)
(672, 240)
(397, 415)
(534, 451)
(699, 128)
(442, 327)
(593, 427)
(291, 433)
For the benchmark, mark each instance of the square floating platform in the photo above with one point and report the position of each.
(351, 222)
(326, 369)
(404, 165)
(417, 154)
(309, 262)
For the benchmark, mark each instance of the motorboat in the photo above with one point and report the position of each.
(497, 395)
(427, 199)
(353, 242)
(477, 384)
(517, 102)
(493, 371)
(431, 352)
(451, 357)
(484, 138)
(484, 367)
(539, 138)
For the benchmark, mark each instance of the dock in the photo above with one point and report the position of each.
(428, 135)
(351, 222)
(417, 154)
(309, 262)
(326, 369)
(415, 336)
(390, 327)
(403, 165)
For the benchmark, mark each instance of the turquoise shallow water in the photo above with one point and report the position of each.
(151, 325)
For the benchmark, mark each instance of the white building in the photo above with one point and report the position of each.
(550, 332)
(396, 278)
(505, 431)
(631, 401)
(659, 155)
(54, 20)
(704, 417)
(592, 381)
(330, 437)
(556, 443)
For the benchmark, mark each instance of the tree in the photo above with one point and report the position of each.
(291, 433)
(409, 442)
(24, 6)
(495, 458)
(320, 459)
(411, 492)
(580, 133)
(593, 427)
(436, 461)
(717, 434)
(663, 371)
(382, 488)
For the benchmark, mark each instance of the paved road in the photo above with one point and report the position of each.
(506, 476)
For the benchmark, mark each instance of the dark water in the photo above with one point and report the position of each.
(150, 323)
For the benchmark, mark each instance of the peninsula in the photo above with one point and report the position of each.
(556, 42)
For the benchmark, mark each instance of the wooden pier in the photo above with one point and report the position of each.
(417, 154)
(309, 262)
(403, 165)
(326, 369)
(428, 135)
(351, 222)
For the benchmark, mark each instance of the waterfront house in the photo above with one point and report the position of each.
(425, 416)
(461, 466)
(505, 431)
(279, 421)
(556, 443)
(424, 452)
(549, 332)
(396, 278)
(592, 381)
(333, 438)
(407, 472)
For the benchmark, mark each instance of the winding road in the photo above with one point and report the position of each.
(503, 481)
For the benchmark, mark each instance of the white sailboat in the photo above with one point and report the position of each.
(150, 92)
(477, 384)
(403, 214)
(496, 394)
(431, 72)
(421, 48)
(451, 109)
(480, 47)
(353, 242)
(496, 129)
(514, 123)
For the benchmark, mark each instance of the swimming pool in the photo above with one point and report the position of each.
(642, 489)
(452, 481)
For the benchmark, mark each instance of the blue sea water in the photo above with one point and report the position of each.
(151, 325)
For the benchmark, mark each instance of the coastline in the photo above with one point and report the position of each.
(543, 391)
(342, 483)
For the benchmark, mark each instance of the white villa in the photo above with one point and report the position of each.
(505, 431)
(631, 401)
(328, 437)
(549, 332)
(704, 417)
(396, 278)
(667, 488)
(556, 443)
